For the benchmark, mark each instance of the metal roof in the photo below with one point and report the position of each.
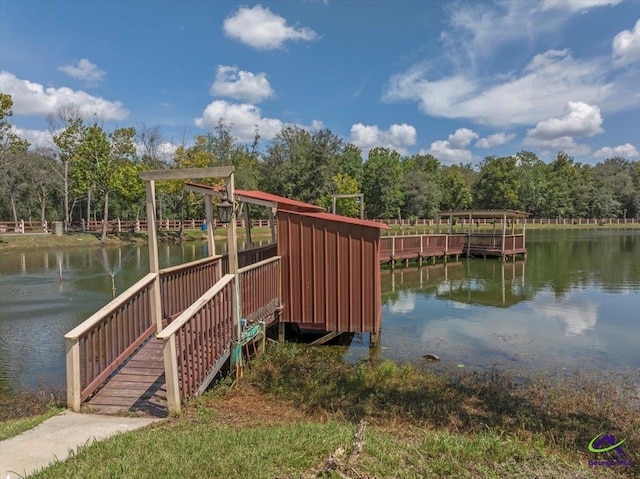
(257, 197)
(341, 219)
(484, 213)
(281, 202)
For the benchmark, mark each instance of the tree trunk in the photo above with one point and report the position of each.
(89, 205)
(12, 198)
(43, 205)
(67, 210)
(105, 218)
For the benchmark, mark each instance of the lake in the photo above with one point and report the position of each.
(573, 303)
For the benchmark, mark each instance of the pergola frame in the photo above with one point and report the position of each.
(355, 195)
(227, 174)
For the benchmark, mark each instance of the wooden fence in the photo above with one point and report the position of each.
(529, 221)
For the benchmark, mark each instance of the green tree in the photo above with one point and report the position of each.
(422, 186)
(562, 179)
(382, 184)
(498, 184)
(99, 164)
(67, 128)
(533, 184)
(299, 164)
(456, 181)
(616, 177)
(342, 184)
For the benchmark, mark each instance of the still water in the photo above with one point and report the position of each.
(37, 308)
(574, 303)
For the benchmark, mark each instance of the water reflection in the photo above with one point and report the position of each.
(37, 308)
(572, 304)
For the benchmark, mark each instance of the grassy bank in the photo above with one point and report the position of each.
(488, 228)
(304, 412)
(25, 409)
(73, 240)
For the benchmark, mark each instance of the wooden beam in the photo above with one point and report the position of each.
(188, 173)
(326, 338)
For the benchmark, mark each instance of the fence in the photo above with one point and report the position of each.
(529, 221)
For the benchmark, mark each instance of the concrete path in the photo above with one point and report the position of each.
(57, 437)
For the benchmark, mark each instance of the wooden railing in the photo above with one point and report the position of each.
(414, 246)
(23, 227)
(529, 221)
(261, 286)
(421, 245)
(198, 342)
(96, 348)
(251, 256)
(182, 285)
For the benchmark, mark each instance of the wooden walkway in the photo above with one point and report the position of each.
(138, 387)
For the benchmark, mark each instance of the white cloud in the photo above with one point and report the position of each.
(462, 137)
(165, 150)
(578, 318)
(550, 80)
(626, 46)
(397, 137)
(31, 98)
(259, 28)
(496, 139)
(405, 303)
(242, 119)
(554, 145)
(577, 5)
(37, 138)
(241, 85)
(84, 70)
(625, 151)
(453, 149)
(580, 120)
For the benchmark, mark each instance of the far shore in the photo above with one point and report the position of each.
(12, 242)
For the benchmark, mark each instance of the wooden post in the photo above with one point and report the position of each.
(171, 373)
(450, 224)
(247, 222)
(232, 247)
(272, 224)
(73, 374)
(469, 237)
(154, 265)
(211, 245)
(504, 231)
(281, 336)
(524, 226)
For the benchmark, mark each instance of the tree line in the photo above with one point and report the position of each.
(90, 173)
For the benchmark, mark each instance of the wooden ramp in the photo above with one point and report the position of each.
(138, 387)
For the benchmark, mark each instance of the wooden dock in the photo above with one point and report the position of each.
(138, 387)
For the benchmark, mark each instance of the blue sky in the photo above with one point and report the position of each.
(458, 79)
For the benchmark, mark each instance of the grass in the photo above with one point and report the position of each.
(488, 228)
(25, 409)
(298, 413)
(22, 242)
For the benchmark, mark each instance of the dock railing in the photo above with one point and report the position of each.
(95, 348)
(198, 342)
(181, 285)
(105, 340)
(261, 286)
